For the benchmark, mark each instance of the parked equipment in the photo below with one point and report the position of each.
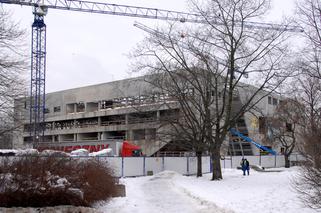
(235, 132)
(130, 150)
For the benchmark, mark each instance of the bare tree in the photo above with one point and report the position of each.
(191, 89)
(214, 59)
(12, 65)
(285, 126)
(308, 182)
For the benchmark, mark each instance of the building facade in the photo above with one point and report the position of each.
(102, 115)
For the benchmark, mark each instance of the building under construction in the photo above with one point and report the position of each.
(102, 115)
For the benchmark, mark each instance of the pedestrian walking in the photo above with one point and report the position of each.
(245, 164)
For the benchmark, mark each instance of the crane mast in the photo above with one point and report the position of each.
(38, 75)
(38, 54)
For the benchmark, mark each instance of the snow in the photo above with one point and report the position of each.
(79, 153)
(54, 153)
(263, 192)
(102, 153)
(19, 152)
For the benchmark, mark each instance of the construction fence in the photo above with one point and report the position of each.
(142, 166)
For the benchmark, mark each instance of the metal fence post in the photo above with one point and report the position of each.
(163, 163)
(187, 166)
(144, 166)
(275, 161)
(224, 163)
(122, 166)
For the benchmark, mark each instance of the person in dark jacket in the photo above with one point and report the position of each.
(245, 164)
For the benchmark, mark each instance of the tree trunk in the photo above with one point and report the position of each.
(287, 160)
(199, 164)
(216, 164)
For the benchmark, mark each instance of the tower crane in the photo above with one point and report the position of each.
(38, 54)
(162, 35)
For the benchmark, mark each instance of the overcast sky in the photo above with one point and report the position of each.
(85, 49)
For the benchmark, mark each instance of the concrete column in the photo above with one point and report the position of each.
(75, 137)
(129, 134)
(157, 115)
(99, 105)
(126, 119)
(99, 121)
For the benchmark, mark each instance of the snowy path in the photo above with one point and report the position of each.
(170, 192)
(158, 194)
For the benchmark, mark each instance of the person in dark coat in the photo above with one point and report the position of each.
(245, 164)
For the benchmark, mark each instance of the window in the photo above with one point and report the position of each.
(139, 134)
(269, 100)
(262, 125)
(80, 107)
(106, 104)
(57, 109)
(275, 101)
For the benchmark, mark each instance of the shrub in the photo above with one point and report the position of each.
(308, 182)
(39, 181)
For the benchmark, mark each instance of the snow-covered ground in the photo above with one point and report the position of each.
(261, 192)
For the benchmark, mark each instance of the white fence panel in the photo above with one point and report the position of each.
(192, 165)
(253, 160)
(154, 164)
(297, 157)
(133, 166)
(177, 164)
(226, 163)
(206, 164)
(114, 163)
(280, 161)
(268, 161)
(236, 161)
(300, 158)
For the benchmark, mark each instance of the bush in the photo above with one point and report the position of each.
(38, 181)
(308, 182)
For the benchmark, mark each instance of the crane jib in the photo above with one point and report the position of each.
(143, 12)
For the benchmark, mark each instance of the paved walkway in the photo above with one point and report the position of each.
(158, 194)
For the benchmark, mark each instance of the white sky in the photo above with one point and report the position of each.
(85, 49)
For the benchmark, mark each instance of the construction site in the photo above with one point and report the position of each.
(100, 116)
(103, 115)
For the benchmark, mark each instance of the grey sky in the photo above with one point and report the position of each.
(85, 49)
